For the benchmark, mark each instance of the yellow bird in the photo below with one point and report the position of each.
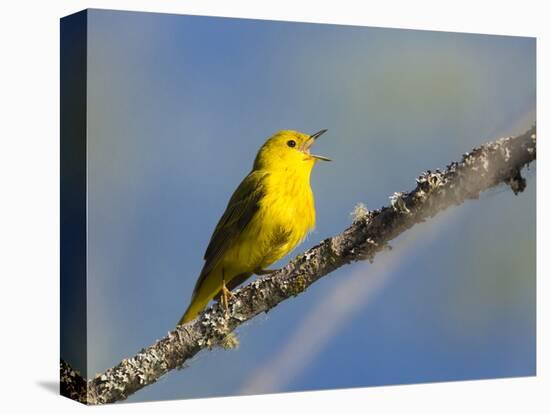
(268, 215)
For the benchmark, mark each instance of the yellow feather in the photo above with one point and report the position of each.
(269, 214)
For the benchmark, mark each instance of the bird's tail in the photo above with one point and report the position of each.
(192, 311)
(207, 287)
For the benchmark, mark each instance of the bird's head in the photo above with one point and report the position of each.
(288, 149)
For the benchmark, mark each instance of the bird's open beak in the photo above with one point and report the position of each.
(310, 142)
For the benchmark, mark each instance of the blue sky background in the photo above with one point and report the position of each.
(179, 105)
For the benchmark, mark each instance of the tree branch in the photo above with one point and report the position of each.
(484, 167)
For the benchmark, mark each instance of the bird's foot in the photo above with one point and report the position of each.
(225, 297)
(261, 272)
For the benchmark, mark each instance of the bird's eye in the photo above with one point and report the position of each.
(291, 143)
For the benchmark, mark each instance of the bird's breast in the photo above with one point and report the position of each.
(287, 214)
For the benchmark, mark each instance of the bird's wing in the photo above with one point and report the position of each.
(240, 210)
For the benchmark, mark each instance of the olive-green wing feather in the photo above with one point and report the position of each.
(240, 210)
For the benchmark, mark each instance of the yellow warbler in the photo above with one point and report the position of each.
(268, 215)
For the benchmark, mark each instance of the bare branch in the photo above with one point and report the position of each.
(484, 167)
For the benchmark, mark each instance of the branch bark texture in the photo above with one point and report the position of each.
(484, 167)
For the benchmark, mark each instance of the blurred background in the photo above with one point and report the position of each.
(178, 107)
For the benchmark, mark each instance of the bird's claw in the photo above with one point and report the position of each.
(225, 297)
